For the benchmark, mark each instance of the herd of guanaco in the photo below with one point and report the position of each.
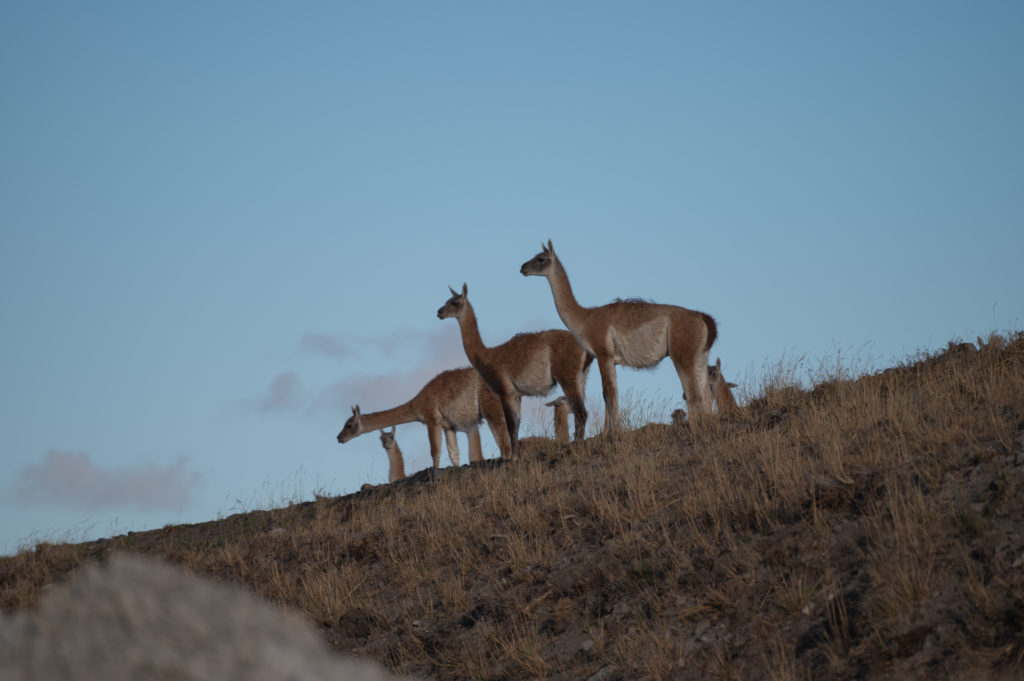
(632, 333)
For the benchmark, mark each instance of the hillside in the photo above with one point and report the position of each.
(861, 529)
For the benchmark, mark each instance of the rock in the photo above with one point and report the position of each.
(145, 619)
(607, 673)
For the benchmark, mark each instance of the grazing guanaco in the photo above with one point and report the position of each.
(453, 401)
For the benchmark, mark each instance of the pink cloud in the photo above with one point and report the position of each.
(445, 341)
(74, 480)
(441, 350)
(326, 344)
(285, 393)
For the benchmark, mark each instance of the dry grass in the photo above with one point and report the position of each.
(867, 525)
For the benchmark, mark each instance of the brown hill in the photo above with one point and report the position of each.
(864, 529)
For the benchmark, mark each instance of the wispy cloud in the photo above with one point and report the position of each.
(74, 480)
(438, 350)
(322, 343)
(372, 390)
(444, 341)
(285, 392)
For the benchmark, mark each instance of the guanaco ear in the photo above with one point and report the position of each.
(355, 411)
(465, 289)
(452, 290)
(393, 429)
(732, 385)
(718, 363)
(550, 248)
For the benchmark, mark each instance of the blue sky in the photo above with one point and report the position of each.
(223, 224)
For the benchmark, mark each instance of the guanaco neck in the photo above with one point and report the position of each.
(562, 424)
(471, 341)
(571, 312)
(396, 467)
(403, 413)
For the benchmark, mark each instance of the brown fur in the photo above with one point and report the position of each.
(454, 400)
(712, 325)
(526, 364)
(633, 333)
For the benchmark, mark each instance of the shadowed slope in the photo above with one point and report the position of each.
(864, 529)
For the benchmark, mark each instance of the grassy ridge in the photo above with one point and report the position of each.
(862, 529)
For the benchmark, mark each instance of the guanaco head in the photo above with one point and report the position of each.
(715, 375)
(388, 439)
(352, 427)
(455, 305)
(540, 264)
